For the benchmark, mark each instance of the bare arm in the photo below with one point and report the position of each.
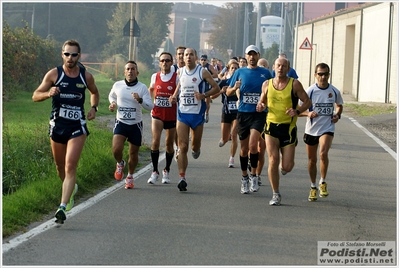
(230, 90)
(214, 86)
(45, 90)
(94, 97)
(262, 104)
(213, 72)
(303, 96)
(173, 98)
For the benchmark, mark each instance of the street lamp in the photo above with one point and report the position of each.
(202, 37)
(229, 51)
(185, 33)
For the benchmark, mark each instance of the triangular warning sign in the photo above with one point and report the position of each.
(306, 44)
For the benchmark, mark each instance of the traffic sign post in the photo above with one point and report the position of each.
(306, 45)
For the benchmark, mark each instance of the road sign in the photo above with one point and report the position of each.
(229, 51)
(306, 44)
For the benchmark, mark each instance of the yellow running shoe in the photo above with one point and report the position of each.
(323, 189)
(312, 194)
(71, 202)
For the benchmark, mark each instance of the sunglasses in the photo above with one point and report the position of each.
(165, 60)
(73, 54)
(323, 74)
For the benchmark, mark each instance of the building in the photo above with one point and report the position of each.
(359, 44)
(191, 12)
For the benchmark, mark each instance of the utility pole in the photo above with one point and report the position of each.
(131, 33)
(245, 34)
(258, 24)
(48, 22)
(135, 38)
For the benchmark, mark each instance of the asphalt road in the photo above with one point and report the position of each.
(213, 224)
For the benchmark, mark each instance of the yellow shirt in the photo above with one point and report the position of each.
(278, 101)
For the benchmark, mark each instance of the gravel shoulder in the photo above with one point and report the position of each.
(383, 126)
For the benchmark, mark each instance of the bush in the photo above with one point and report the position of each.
(26, 57)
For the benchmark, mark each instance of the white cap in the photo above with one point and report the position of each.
(251, 48)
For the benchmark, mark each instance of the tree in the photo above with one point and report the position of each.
(85, 22)
(153, 22)
(229, 28)
(271, 53)
(191, 38)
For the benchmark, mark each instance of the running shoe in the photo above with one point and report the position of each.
(177, 151)
(259, 181)
(60, 215)
(129, 182)
(182, 185)
(119, 171)
(276, 200)
(231, 162)
(323, 190)
(196, 154)
(154, 178)
(165, 177)
(245, 185)
(312, 194)
(221, 143)
(253, 181)
(71, 202)
(206, 118)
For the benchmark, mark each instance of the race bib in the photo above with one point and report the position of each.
(162, 102)
(324, 109)
(70, 114)
(232, 105)
(127, 113)
(250, 98)
(188, 99)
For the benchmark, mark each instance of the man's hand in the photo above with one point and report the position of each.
(112, 106)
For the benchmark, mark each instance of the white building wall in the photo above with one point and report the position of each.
(393, 93)
(374, 49)
(346, 44)
(355, 44)
(303, 57)
(322, 44)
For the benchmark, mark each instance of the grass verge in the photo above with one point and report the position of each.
(369, 109)
(31, 187)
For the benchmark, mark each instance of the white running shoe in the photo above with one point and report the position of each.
(165, 177)
(231, 162)
(221, 143)
(276, 200)
(244, 185)
(154, 178)
(253, 180)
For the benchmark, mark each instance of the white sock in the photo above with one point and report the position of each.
(313, 184)
(321, 180)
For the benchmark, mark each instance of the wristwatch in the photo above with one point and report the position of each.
(95, 108)
(298, 112)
